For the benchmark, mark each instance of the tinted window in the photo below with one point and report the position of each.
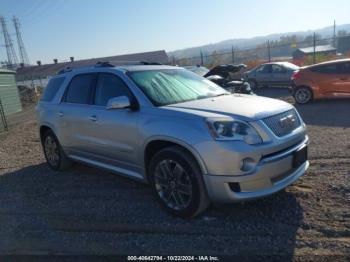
(109, 86)
(344, 68)
(278, 69)
(52, 88)
(79, 89)
(264, 69)
(325, 69)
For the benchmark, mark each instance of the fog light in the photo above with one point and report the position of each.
(247, 164)
(235, 187)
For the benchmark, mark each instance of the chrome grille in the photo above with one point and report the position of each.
(284, 123)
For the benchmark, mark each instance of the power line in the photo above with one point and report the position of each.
(12, 60)
(22, 51)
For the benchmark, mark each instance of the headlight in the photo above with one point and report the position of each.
(233, 130)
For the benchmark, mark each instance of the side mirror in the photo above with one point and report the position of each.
(118, 103)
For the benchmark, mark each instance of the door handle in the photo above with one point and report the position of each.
(344, 78)
(60, 114)
(93, 118)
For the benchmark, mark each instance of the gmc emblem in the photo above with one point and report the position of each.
(288, 121)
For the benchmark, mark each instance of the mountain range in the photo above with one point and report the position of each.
(247, 43)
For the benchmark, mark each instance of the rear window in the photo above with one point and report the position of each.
(325, 69)
(291, 66)
(52, 88)
(80, 89)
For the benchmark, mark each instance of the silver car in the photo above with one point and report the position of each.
(276, 74)
(192, 141)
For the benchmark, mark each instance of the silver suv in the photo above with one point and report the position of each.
(192, 141)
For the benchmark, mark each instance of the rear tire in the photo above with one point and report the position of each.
(177, 182)
(303, 95)
(54, 154)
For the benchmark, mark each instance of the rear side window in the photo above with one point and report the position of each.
(326, 69)
(52, 88)
(79, 89)
(109, 86)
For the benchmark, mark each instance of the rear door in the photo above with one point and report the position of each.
(74, 112)
(279, 75)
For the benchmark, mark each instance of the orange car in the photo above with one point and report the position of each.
(329, 79)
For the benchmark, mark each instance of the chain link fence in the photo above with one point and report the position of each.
(312, 49)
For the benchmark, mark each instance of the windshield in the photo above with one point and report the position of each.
(172, 86)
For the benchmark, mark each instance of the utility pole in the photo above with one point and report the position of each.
(202, 62)
(334, 35)
(268, 50)
(22, 51)
(314, 56)
(12, 60)
(233, 56)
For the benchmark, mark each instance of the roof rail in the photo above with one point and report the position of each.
(108, 64)
(150, 63)
(103, 64)
(65, 70)
(120, 62)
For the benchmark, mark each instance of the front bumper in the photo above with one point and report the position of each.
(272, 173)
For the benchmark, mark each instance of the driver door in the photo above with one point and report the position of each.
(114, 131)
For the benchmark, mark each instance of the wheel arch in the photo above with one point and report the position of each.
(155, 144)
(43, 129)
(312, 89)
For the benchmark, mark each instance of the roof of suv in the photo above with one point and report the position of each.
(132, 68)
(125, 68)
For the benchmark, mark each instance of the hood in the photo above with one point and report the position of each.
(247, 107)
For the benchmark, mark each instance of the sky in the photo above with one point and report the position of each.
(96, 28)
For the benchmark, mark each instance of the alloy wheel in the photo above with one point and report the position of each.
(51, 151)
(173, 184)
(302, 95)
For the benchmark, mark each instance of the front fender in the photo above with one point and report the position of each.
(185, 133)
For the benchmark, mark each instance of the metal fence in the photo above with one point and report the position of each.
(289, 49)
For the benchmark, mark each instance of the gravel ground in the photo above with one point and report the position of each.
(88, 211)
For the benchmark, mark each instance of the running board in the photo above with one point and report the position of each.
(118, 170)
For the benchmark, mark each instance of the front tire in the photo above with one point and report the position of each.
(177, 182)
(54, 154)
(303, 95)
(253, 84)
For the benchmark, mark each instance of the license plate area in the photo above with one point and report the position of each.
(299, 157)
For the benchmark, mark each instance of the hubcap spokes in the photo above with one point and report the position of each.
(51, 151)
(302, 95)
(173, 184)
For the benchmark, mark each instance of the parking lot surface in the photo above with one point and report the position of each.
(89, 211)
